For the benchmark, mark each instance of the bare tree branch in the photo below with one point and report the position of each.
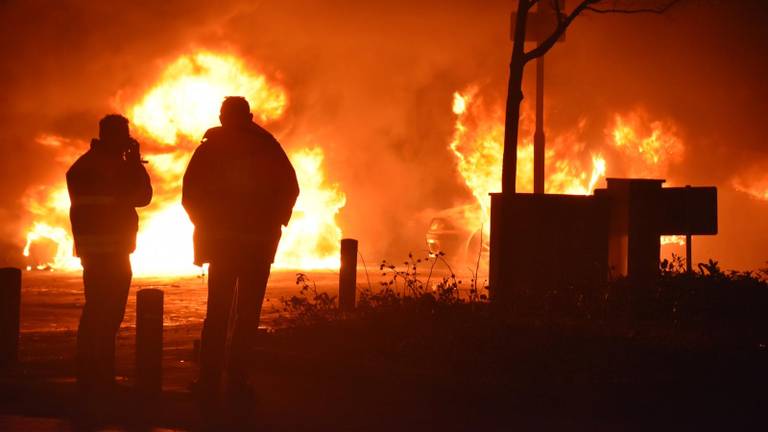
(557, 6)
(656, 10)
(563, 23)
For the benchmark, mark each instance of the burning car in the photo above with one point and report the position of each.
(456, 233)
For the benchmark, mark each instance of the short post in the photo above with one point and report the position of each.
(149, 340)
(688, 237)
(348, 275)
(10, 306)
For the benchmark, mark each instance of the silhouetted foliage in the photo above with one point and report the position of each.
(709, 304)
(663, 340)
(413, 286)
(310, 306)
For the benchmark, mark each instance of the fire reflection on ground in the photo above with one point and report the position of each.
(53, 301)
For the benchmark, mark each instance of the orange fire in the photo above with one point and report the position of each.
(187, 98)
(648, 145)
(169, 120)
(477, 144)
(757, 187)
(642, 147)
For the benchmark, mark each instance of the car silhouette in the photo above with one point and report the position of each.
(457, 234)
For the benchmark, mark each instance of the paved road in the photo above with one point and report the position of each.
(52, 301)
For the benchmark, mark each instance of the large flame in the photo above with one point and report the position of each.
(478, 143)
(170, 118)
(642, 147)
(187, 99)
(50, 210)
(313, 223)
(647, 146)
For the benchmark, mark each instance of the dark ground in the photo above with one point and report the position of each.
(431, 366)
(327, 377)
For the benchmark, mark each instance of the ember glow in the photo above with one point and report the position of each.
(645, 147)
(169, 120)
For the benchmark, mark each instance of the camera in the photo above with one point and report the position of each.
(132, 151)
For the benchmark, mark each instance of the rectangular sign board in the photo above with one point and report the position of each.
(688, 210)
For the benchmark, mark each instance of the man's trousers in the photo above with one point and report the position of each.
(107, 279)
(237, 289)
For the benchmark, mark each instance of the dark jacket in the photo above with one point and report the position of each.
(104, 190)
(239, 188)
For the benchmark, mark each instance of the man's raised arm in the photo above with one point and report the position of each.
(140, 188)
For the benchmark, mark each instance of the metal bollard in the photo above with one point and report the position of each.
(149, 340)
(348, 275)
(10, 306)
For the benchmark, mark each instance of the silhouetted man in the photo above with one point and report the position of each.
(239, 189)
(105, 185)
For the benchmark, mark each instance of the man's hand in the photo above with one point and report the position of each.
(133, 153)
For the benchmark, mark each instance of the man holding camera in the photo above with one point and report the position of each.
(105, 186)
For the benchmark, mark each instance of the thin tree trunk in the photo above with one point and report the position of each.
(511, 128)
(514, 98)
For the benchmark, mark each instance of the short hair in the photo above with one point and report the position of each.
(235, 106)
(112, 125)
